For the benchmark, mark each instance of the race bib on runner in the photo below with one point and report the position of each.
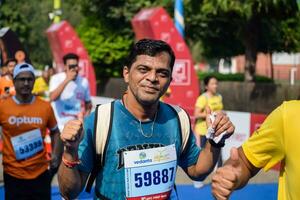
(150, 173)
(27, 144)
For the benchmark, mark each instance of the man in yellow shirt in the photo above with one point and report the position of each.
(276, 140)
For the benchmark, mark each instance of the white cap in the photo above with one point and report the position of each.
(23, 67)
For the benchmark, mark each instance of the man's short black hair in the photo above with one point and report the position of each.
(10, 60)
(70, 56)
(149, 47)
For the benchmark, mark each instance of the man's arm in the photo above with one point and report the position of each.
(71, 180)
(207, 159)
(70, 75)
(57, 148)
(57, 92)
(235, 174)
(263, 149)
(210, 154)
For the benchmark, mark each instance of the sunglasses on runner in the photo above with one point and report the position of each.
(73, 66)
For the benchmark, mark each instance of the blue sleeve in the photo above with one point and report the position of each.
(85, 150)
(190, 154)
(87, 97)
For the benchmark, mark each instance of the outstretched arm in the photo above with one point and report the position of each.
(70, 75)
(263, 149)
(210, 154)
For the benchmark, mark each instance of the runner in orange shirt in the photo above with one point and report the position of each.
(6, 83)
(24, 119)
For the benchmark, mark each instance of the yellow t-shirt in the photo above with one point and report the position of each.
(215, 103)
(278, 140)
(40, 86)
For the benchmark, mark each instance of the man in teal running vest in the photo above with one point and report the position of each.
(144, 145)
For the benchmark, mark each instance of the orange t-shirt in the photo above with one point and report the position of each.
(6, 82)
(16, 120)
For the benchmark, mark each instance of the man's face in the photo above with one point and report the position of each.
(149, 77)
(10, 66)
(24, 83)
(51, 72)
(72, 64)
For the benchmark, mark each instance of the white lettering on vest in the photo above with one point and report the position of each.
(12, 120)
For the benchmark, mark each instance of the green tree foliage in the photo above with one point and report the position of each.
(29, 20)
(214, 28)
(107, 33)
(231, 27)
(106, 48)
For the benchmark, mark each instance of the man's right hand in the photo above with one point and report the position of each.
(225, 180)
(72, 134)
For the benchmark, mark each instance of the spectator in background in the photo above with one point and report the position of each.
(24, 120)
(69, 93)
(41, 85)
(211, 99)
(6, 81)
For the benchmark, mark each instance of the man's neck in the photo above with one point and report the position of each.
(141, 112)
(24, 99)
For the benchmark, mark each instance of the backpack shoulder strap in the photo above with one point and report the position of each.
(102, 130)
(184, 125)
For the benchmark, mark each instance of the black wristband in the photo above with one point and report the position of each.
(216, 145)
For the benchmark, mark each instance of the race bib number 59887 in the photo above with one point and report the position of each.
(156, 177)
(150, 174)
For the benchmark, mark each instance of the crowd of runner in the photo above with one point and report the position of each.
(132, 146)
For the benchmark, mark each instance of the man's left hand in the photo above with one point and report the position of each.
(221, 123)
